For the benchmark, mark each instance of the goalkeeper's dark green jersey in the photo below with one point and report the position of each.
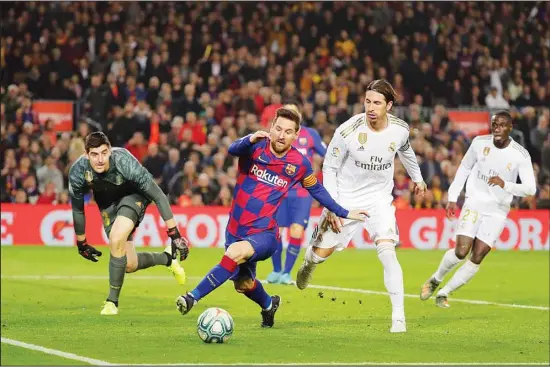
(124, 177)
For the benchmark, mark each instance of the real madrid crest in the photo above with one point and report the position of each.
(486, 151)
(509, 167)
(362, 138)
(392, 147)
(88, 176)
(118, 180)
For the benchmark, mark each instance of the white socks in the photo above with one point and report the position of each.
(312, 258)
(393, 278)
(449, 261)
(461, 277)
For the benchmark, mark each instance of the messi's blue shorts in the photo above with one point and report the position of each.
(294, 210)
(264, 244)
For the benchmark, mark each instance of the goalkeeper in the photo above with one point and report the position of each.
(122, 189)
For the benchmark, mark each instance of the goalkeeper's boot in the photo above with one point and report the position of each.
(304, 275)
(175, 267)
(185, 303)
(268, 316)
(273, 277)
(109, 309)
(442, 301)
(398, 326)
(428, 288)
(286, 279)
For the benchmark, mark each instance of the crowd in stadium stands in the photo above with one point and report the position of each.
(177, 82)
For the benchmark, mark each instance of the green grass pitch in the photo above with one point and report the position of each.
(56, 311)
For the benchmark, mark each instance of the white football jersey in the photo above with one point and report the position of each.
(482, 161)
(359, 164)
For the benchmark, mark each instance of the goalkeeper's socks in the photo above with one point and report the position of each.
(148, 259)
(215, 277)
(117, 270)
(292, 252)
(276, 258)
(259, 295)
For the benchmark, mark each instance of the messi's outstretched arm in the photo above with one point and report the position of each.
(134, 172)
(319, 193)
(76, 192)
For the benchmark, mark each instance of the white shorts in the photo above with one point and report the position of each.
(381, 224)
(474, 222)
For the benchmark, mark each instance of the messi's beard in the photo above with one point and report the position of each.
(277, 150)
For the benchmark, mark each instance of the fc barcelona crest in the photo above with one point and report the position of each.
(290, 169)
(362, 138)
(486, 151)
(88, 176)
(302, 141)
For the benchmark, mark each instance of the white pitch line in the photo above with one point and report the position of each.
(97, 362)
(313, 286)
(55, 352)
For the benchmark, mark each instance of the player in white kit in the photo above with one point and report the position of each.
(491, 166)
(358, 173)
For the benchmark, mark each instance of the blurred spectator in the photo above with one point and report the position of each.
(495, 101)
(137, 146)
(154, 162)
(206, 189)
(50, 173)
(177, 89)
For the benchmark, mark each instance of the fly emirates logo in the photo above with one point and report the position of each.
(267, 177)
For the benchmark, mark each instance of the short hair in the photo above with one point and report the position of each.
(95, 140)
(383, 87)
(505, 115)
(290, 112)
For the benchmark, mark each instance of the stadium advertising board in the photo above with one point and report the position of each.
(61, 112)
(205, 227)
(473, 123)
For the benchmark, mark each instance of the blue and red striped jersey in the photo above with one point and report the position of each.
(308, 143)
(262, 182)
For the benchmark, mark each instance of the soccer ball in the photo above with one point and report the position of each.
(215, 325)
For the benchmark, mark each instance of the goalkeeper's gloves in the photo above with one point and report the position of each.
(179, 243)
(88, 252)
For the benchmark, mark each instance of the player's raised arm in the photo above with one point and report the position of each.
(408, 158)
(134, 172)
(76, 192)
(528, 185)
(337, 151)
(466, 165)
(244, 146)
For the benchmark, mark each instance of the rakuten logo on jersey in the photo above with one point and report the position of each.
(268, 177)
